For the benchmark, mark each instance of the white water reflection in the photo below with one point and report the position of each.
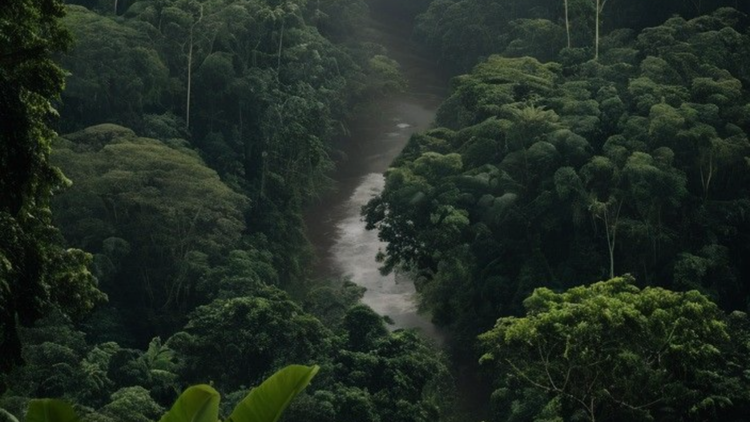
(353, 253)
(377, 136)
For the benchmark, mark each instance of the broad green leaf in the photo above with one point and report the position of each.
(50, 410)
(199, 403)
(5, 416)
(267, 402)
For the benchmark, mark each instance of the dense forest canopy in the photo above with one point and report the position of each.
(194, 133)
(157, 157)
(591, 139)
(636, 161)
(463, 32)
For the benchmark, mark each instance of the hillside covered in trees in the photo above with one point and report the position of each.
(589, 141)
(192, 136)
(577, 221)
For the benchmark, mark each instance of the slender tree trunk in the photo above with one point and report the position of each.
(706, 176)
(190, 69)
(115, 7)
(281, 45)
(610, 244)
(596, 37)
(599, 9)
(697, 5)
(189, 80)
(610, 228)
(567, 23)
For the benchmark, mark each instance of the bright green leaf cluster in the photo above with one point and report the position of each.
(613, 351)
(200, 403)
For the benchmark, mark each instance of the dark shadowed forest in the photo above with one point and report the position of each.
(575, 220)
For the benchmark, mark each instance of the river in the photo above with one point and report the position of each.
(377, 135)
(344, 248)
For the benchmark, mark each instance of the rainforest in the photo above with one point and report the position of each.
(422, 210)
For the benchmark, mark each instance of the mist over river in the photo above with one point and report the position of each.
(377, 135)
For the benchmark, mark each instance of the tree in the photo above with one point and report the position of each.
(52, 353)
(132, 404)
(525, 34)
(173, 213)
(599, 9)
(609, 213)
(364, 328)
(253, 335)
(641, 151)
(611, 351)
(33, 263)
(567, 23)
(116, 74)
(605, 200)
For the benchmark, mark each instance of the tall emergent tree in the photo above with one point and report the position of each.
(611, 351)
(36, 272)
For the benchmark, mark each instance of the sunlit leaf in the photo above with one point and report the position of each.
(266, 402)
(50, 410)
(199, 403)
(5, 416)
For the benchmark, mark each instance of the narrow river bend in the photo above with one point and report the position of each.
(335, 227)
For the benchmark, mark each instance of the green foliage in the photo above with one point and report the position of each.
(7, 417)
(50, 410)
(331, 300)
(257, 89)
(52, 352)
(464, 32)
(253, 335)
(386, 76)
(268, 401)
(364, 328)
(613, 351)
(557, 173)
(199, 403)
(524, 34)
(152, 213)
(131, 404)
(115, 71)
(497, 81)
(396, 377)
(33, 263)
(104, 376)
(542, 174)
